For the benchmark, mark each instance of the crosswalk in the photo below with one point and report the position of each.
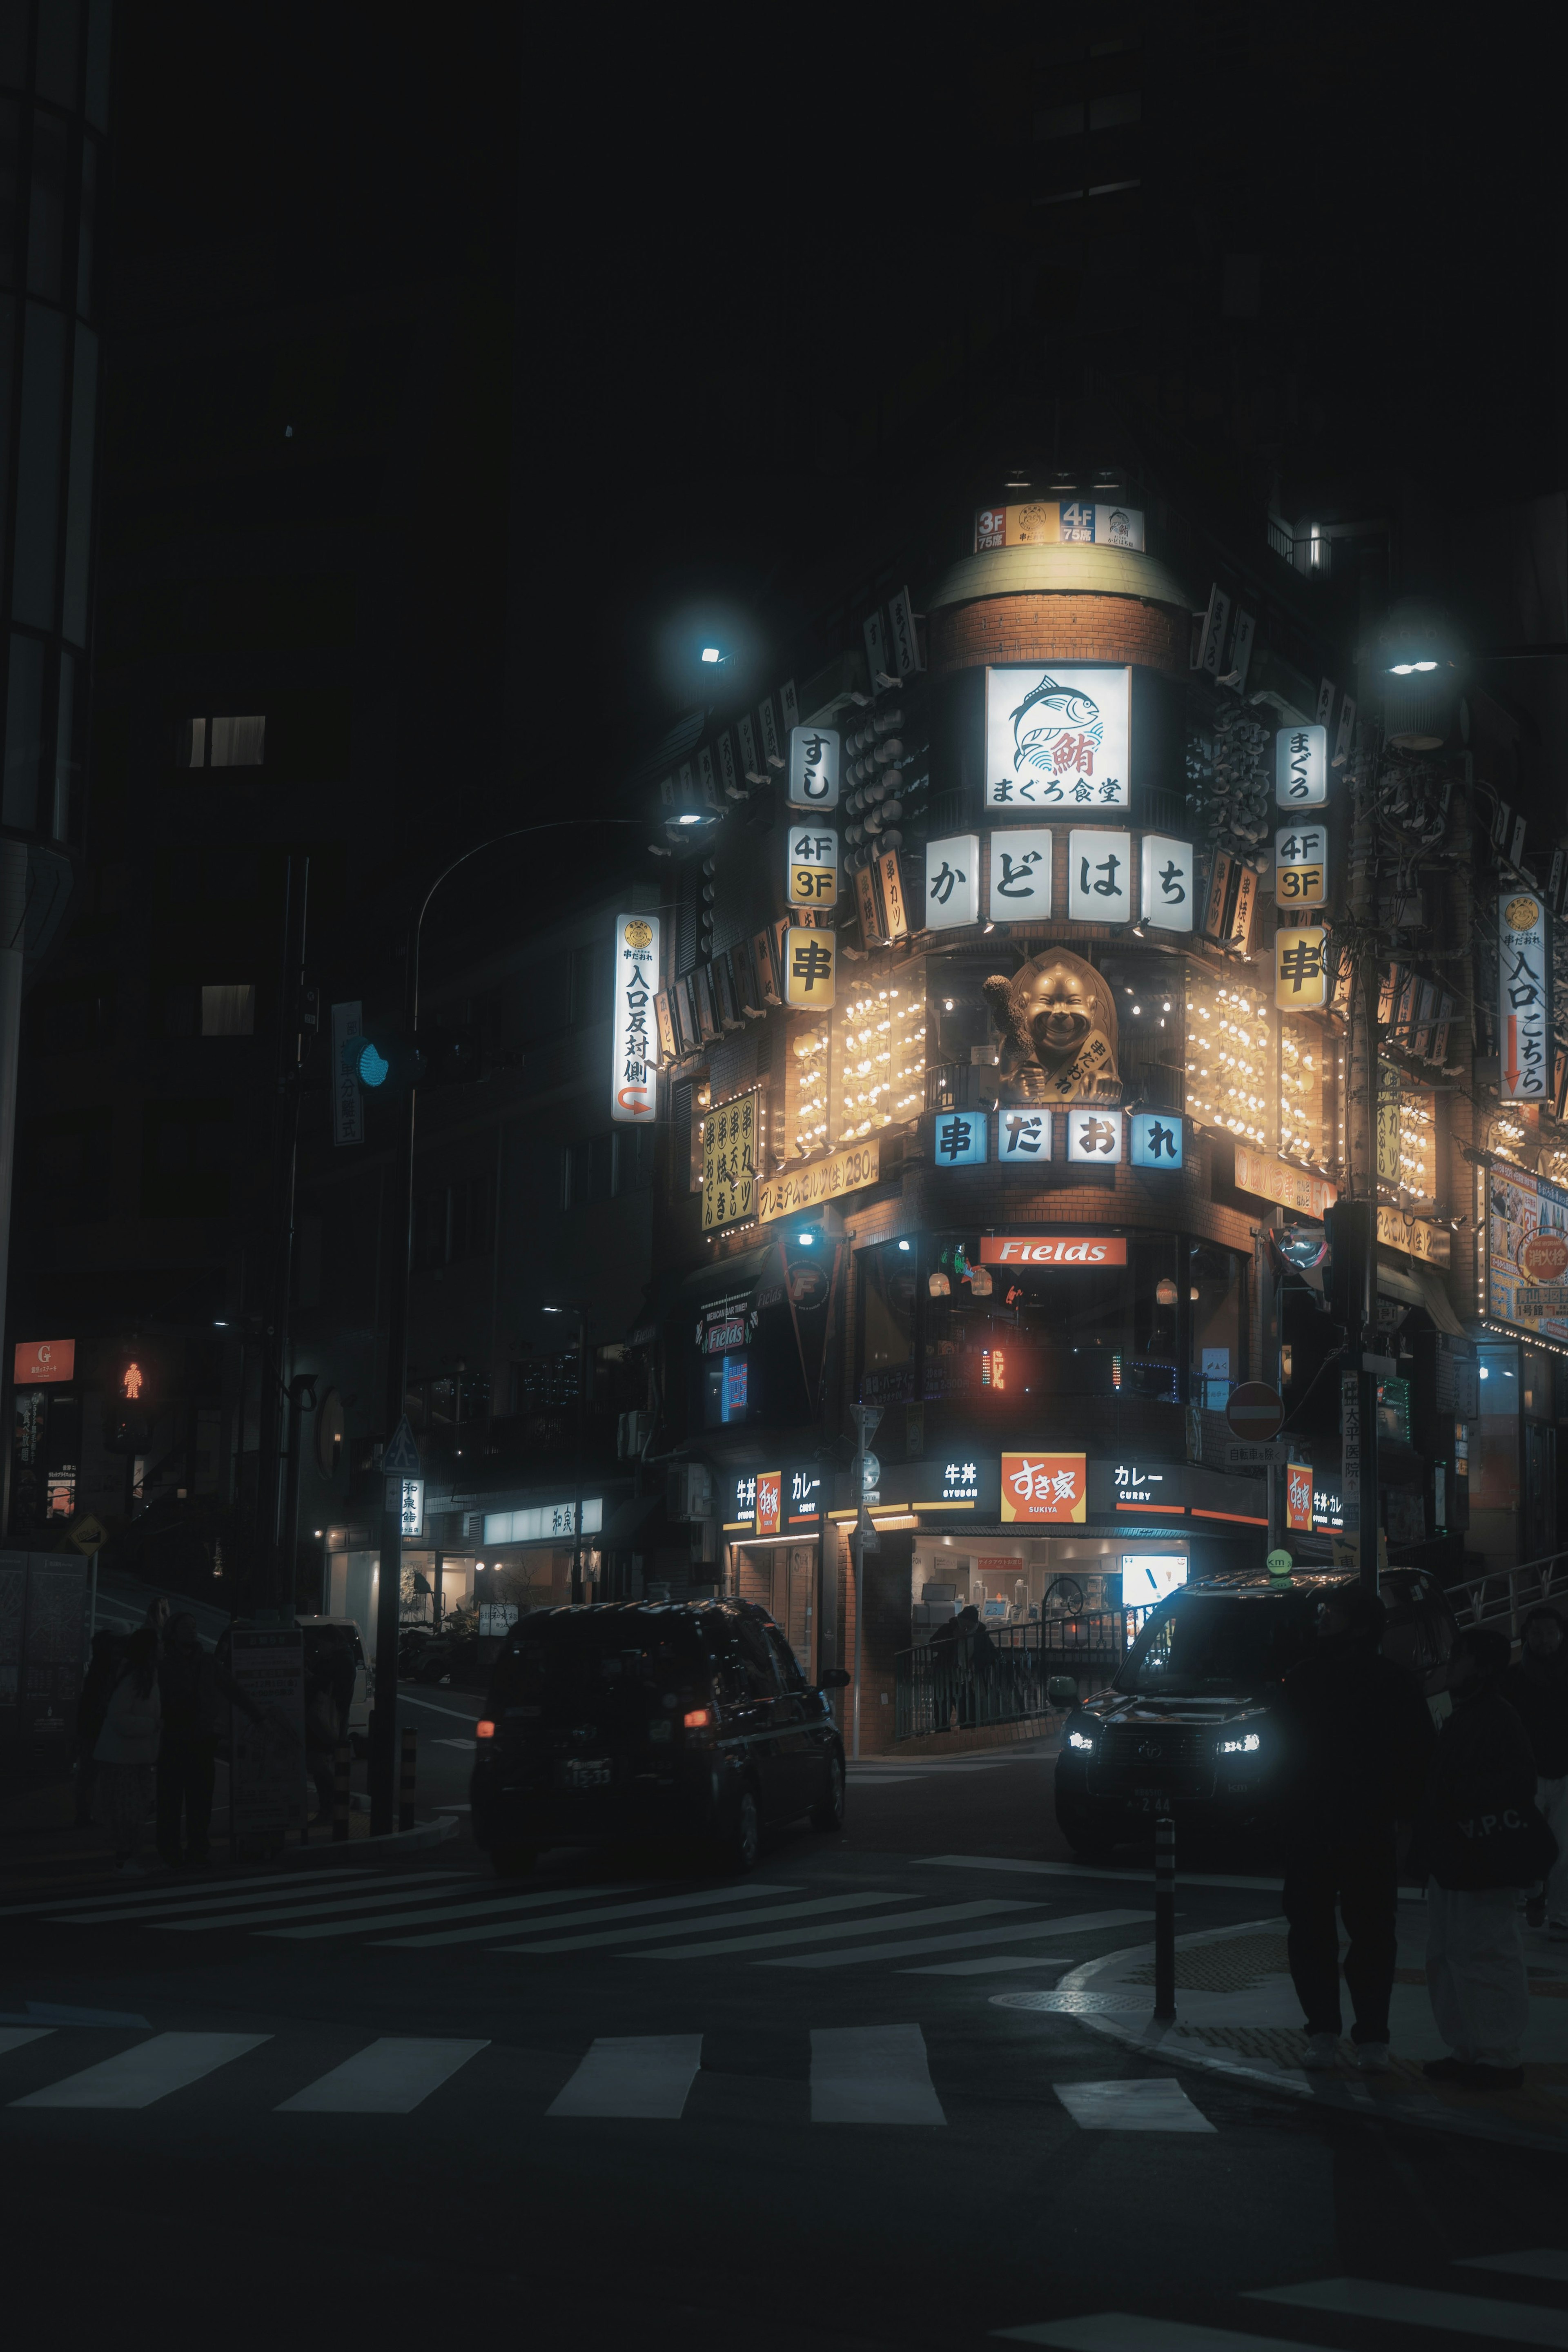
(759, 1923)
(1383, 2303)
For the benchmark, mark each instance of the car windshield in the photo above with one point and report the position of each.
(1204, 1644)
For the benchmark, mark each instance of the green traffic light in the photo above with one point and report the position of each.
(373, 1064)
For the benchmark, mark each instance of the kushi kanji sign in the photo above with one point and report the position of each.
(729, 1162)
(1524, 997)
(634, 1080)
(1298, 979)
(1057, 738)
(809, 968)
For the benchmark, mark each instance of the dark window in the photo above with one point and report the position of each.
(789, 1671)
(221, 742)
(185, 1160)
(454, 1221)
(46, 217)
(590, 1165)
(70, 1160)
(74, 1016)
(634, 1158)
(756, 1659)
(589, 971)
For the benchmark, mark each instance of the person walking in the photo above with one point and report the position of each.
(1537, 1690)
(97, 1684)
(194, 1689)
(329, 1696)
(126, 1749)
(976, 1654)
(1480, 1839)
(1361, 1737)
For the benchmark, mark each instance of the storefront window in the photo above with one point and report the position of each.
(805, 1088)
(878, 1055)
(1494, 1478)
(1003, 1333)
(1217, 1291)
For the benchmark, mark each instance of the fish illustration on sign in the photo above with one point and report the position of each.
(1064, 711)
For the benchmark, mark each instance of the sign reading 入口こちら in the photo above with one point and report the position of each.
(824, 1179)
(729, 1162)
(1038, 1486)
(634, 1076)
(1524, 997)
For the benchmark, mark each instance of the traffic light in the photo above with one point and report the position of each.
(386, 1062)
(1350, 1227)
(130, 1404)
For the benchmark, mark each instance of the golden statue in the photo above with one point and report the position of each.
(1058, 1020)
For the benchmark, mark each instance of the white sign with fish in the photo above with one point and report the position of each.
(1057, 738)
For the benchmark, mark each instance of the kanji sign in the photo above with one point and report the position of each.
(1022, 1135)
(1045, 1487)
(729, 1162)
(1301, 767)
(1094, 1136)
(1057, 738)
(814, 767)
(1301, 864)
(809, 968)
(952, 882)
(962, 1138)
(1041, 522)
(811, 864)
(1524, 997)
(1020, 888)
(1299, 1498)
(1154, 1139)
(634, 1076)
(822, 1180)
(770, 1491)
(1298, 978)
(890, 875)
(1100, 877)
(1167, 884)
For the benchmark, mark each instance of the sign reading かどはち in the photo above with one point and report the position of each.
(634, 1076)
(1044, 1487)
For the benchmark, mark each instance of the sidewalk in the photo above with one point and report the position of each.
(1238, 2015)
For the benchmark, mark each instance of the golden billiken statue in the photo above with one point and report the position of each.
(1058, 1020)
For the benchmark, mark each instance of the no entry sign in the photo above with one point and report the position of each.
(1255, 1410)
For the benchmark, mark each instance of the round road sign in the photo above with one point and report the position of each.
(1255, 1410)
(1280, 1563)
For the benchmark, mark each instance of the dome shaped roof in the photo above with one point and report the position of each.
(1059, 570)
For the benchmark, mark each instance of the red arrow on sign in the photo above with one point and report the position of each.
(1255, 1410)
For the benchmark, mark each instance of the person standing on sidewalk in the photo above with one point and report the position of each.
(194, 1690)
(1361, 1738)
(126, 1749)
(97, 1686)
(1537, 1690)
(1481, 1839)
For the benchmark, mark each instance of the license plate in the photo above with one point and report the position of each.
(586, 1772)
(1151, 1800)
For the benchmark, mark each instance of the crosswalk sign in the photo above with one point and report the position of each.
(401, 1453)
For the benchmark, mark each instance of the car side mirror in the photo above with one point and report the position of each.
(834, 1679)
(1061, 1691)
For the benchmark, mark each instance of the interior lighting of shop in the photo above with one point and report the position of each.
(881, 1059)
(1304, 1130)
(1417, 1145)
(1230, 1053)
(808, 1129)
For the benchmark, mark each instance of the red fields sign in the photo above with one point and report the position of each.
(1053, 1249)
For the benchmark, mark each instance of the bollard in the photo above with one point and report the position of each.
(1164, 1920)
(340, 1792)
(405, 1786)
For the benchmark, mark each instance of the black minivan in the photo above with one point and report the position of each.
(1188, 1725)
(631, 1720)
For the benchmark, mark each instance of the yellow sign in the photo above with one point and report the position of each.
(1299, 980)
(89, 1534)
(1271, 1179)
(1301, 864)
(729, 1162)
(893, 895)
(1434, 1244)
(813, 864)
(824, 1179)
(809, 968)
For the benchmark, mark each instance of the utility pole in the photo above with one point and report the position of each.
(867, 1418)
(277, 1569)
(1358, 1383)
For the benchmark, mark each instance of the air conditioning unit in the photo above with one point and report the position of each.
(689, 1491)
(632, 1435)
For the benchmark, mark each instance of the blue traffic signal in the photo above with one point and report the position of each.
(373, 1064)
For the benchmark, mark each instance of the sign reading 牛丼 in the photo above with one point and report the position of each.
(348, 1099)
(729, 1162)
(824, 1179)
(1301, 864)
(634, 1076)
(809, 970)
(1300, 979)
(811, 866)
(1524, 997)
(1301, 767)
(814, 767)
(1057, 738)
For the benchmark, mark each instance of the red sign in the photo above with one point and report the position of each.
(1298, 1497)
(770, 1485)
(1255, 1410)
(1545, 1257)
(1037, 1486)
(38, 1361)
(1053, 1249)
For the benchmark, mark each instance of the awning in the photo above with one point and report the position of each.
(725, 1277)
(1418, 1285)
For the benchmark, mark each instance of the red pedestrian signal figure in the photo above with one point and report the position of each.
(132, 1385)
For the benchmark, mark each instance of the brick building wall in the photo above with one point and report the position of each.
(1059, 627)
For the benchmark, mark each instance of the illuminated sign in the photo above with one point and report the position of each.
(1166, 875)
(1298, 1497)
(1045, 1487)
(1057, 738)
(1301, 864)
(1527, 1250)
(545, 1523)
(994, 1369)
(802, 1495)
(1020, 877)
(1524, 997)
(1094, 1137)
(1139, 1486)
(811, 866)
(952, 882)
(1059, 522)
(961, 1482)
(1099, 876)
(412, 1505)
(729, 1162)
(1298, 977)
(1154, 1139)
(1148, 1577)
(962, 1138)
(38, 1361)
(720, 1338)
(1301, 767)
(633, 1079)
(1053, 1249)
(814, 767)
(769, 1501)
(809, 968)
(824, 1179)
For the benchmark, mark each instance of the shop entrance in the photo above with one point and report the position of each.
(783, 1580)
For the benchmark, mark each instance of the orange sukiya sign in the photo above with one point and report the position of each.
(1298, 1497)
(1037, 1486)
(37, 1361)
(769, 1485)
(1053, 1249)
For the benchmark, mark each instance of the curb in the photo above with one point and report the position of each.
(1347, 2097)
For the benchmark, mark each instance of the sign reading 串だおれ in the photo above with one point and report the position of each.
(729, 1162)
(634, 1078)
(1524, 997)
(1057, 738)
(1045, 1487)
(824, 1179)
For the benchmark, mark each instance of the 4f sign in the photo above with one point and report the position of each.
(634, 1079)
(812, 866)
(1524, 997)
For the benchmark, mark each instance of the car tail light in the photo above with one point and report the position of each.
(698, 1719)
(484, 1731)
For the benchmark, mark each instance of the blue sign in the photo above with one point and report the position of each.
(962, 1138)
(1022, 1135)
(734, 1399)
(1156, 1138)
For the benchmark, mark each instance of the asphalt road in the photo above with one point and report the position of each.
(617, 2105)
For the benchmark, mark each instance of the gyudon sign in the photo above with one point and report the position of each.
(1053, 1249)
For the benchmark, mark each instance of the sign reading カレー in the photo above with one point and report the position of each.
(1053, 1249)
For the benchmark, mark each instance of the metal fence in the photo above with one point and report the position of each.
(960, 1686)
(1505, 1596)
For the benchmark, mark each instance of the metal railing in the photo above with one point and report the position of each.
(1003, 1678)
(1508, 1593)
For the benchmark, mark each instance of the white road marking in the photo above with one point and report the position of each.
(15, 2037)
(871, 2074)
(1423, 2307)
(577, 1918)
(682, 1927)
(492, 1909)
(1541, 2262)
(1121, 2331)
(138, 2078)
(989, 1968)
(824, 1935)
(444, 1742)
(634, 2074)
(1083, 1870)
(166, 1891)
(1151, 2102)
(390, 2077)
(348, 1899)
(1088, 1924)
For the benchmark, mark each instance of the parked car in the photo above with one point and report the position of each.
(1189, 1725)
(313, 1629)
(626, 1720)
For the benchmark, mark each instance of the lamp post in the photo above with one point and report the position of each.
(582, 1315)
(384, 1716)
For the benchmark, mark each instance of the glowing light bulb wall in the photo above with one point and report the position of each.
(1231, 1050)
(806, 1090)
(1308, 1092)
(879, 1057)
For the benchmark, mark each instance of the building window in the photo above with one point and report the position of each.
(222, 742)
(454, 1221)
(634, 1158)
(228, 1009)
(589, 1168)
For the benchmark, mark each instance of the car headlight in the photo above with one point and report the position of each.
(1080, 1739)
(1248, 1746)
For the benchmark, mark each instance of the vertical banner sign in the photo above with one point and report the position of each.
(770, 726)
(766, 961)
(1387, 1124)
(866, 907)
(634, 1082)
(1240, 933)
(1240, 652)
(809, 968)
(727, 772)
(788, 704)
(1349, 1474)
(1524, 997)
(748, 762)
(1213, 636)
(890, 875)
(1299, 980)
(953, 882)
(1301, 767)
(814, 767)
(1325, 711)
(708, 780)
(1167, 882)
(1020, 890)
(1301, 864)
(267, 1767)
(730, 1163)
(811, 862)
(348, 1102)
(1057, 738)
(665, 1021)
(1299, 1498)
(1219, 890)
(875, 645)
(1344, 741)
(906, 643)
